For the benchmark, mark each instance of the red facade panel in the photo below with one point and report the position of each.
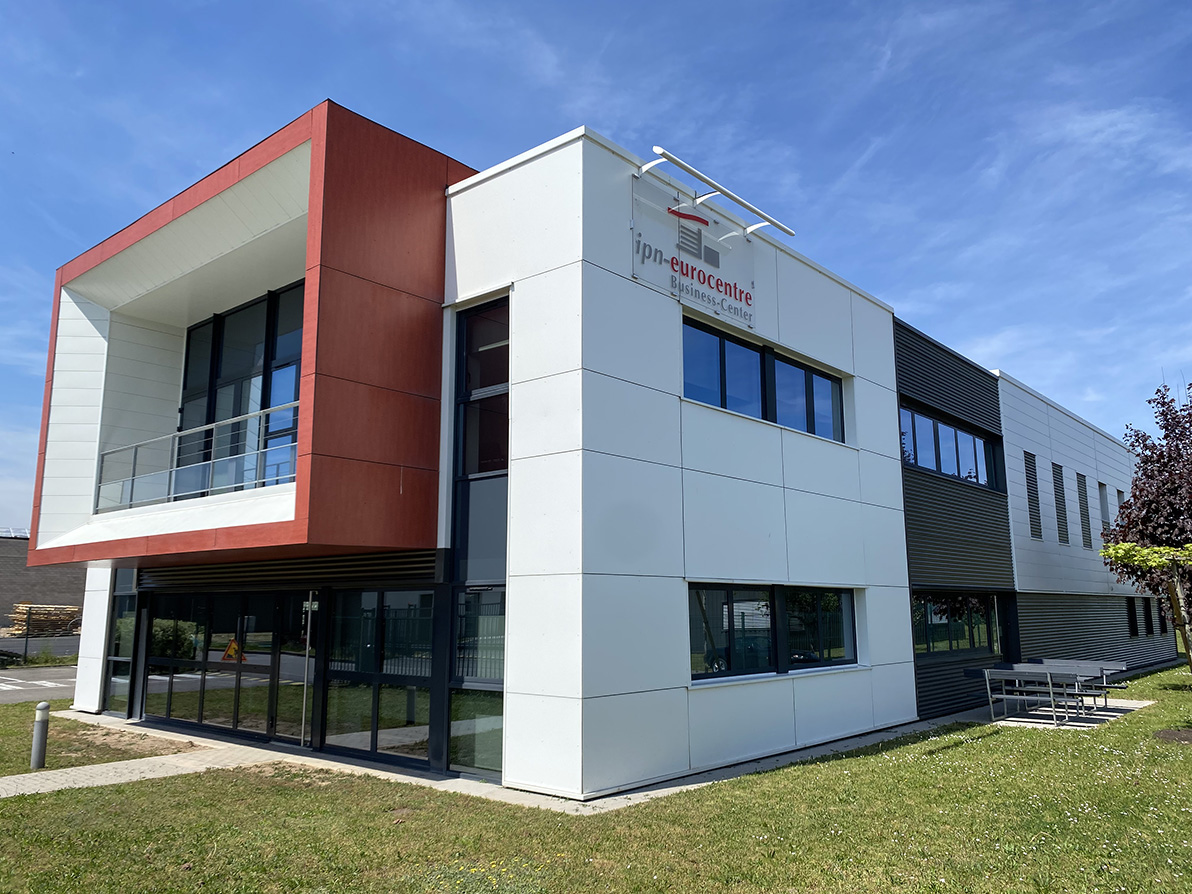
(369, 424)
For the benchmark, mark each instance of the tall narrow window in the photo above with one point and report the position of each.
(1086, 526)
(1162, 619)
(482, 444)
(1131, 615)
(1032, 495)
(1103, 496)
(1061, 502)
(1148, 617)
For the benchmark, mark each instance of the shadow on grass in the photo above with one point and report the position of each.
(974, 732)
(1176, 687)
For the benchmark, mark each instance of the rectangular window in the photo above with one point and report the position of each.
(1086, 525)
(925, 452)
(1061, 502)
(1032, 495)
(1131, 616)
(737, 630)
(1162, 619)
(1103, 496)
(742, 379)
(945, 448)
(1121, 498)
(1148, 617)
(945, 624)
(906, 424)
(757, 382)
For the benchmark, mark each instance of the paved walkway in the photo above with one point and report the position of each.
(218, 754)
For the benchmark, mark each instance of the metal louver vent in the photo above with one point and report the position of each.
(1061, 502)
(1032, 495)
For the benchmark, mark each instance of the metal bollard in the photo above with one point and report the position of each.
(41, 728)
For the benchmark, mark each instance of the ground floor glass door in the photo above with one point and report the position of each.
(231, 661)
(379, 670)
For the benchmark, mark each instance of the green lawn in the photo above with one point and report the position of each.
(70, 743)
(976, 809)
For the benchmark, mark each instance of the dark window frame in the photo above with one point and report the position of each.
(1131, 616)
(466, 397)
(1030, 466)
(990, 447)
(779, 633)
(769, 401)
(989, 616)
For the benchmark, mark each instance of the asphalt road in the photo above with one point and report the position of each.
(34, 684)
(58, 645)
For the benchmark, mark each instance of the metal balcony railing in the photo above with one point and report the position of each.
(255, 450)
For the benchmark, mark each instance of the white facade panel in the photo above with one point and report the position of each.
(739, 720)
(546, 515)
(523, 222)
(871, 418)
(633, 738)
(881, 480)
(814, 314)
(722, 443)
(607, 208)
(635, 634)
(625, 419)
(544, 634)
(817, 465)
(632, 517)
(833, 704)
(873, 342)
(544, 415)
(543, 744)
(886, 625)
(893, 694)
(631, 332)
(884, 534)
(824, 540)
(544, 324)
(93, 641)
(67, 491)
(734, 530)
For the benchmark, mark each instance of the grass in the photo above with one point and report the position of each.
(44, 658)
(70, 743)
(964, 809)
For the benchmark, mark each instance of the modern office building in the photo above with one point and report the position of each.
(558, 471)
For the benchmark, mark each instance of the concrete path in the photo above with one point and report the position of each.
(216, 754)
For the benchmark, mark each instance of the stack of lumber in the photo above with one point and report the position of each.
(41, 620)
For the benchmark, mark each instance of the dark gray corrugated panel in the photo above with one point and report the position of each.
(957, 534)
(939, 377)
(333, 571)
(1088, 628)
(942, 688)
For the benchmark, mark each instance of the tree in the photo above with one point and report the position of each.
(1150, 543)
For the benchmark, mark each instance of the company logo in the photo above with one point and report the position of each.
(699, 279)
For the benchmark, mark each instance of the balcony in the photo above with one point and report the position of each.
(255, 450)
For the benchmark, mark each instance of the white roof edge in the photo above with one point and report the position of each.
(586, 133)
(1051, 403)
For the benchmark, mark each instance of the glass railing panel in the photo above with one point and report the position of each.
(227, 456)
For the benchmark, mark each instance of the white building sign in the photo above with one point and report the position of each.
(684, 249)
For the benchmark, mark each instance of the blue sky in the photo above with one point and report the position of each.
(1015, 178)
